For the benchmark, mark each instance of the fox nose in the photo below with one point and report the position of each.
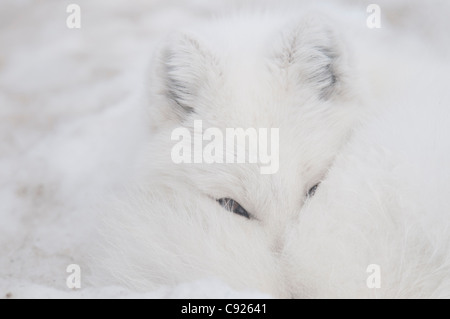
(277, 231)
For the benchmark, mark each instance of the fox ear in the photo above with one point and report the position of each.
(186, 68)
(314, 56)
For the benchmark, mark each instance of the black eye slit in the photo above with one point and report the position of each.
(233, 206)
(312, 190)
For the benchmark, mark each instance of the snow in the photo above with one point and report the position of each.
(69, 131)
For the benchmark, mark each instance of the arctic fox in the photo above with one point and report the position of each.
(228, 221)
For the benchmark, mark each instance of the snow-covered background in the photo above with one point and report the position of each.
(69, 131)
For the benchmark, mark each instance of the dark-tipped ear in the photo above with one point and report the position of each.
(187, 66)
(315, 57)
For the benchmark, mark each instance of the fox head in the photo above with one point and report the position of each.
(227, 219)
(259, 73)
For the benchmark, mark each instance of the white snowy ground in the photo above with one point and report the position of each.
(68, 131)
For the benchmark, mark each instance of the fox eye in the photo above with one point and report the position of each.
(233, 206)
(312, 190)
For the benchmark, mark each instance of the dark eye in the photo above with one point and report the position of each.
(312, 190)
(233, 206)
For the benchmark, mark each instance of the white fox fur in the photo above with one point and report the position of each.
(292, 74)
(384, 202)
